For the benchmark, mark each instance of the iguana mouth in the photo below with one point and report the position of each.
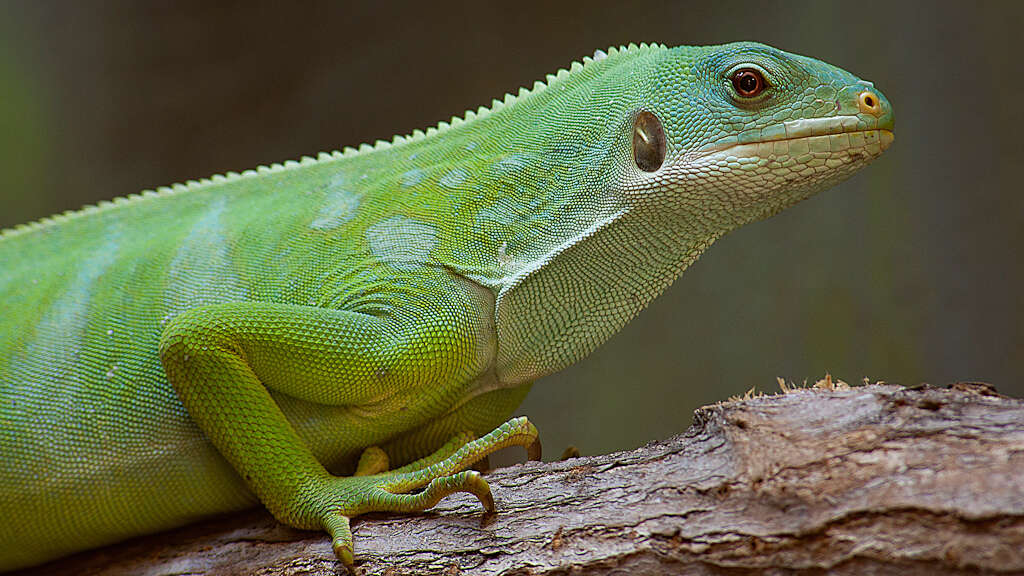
(807, 136)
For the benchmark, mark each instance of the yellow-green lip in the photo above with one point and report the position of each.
(831, 134)
(887, 138)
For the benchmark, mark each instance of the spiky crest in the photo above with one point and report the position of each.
(346, 152)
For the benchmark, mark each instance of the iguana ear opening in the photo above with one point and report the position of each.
(648, 142)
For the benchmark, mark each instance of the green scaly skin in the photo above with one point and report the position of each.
(245, 339)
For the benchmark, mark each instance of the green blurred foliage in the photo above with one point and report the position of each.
(909, 272)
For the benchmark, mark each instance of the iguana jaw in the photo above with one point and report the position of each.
(812, 135)
(741, 179)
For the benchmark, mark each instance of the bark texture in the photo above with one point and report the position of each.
(875, 479)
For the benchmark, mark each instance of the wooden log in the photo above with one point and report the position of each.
(874, 479)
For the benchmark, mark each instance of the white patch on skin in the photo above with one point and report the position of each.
(336, 183)
(453, 178)
(53, 360)
(471, 146)
(413, 177)
(503, 257)
(510, 163)
(497, 213)
(68, 315)
(402, 242)
(600, 55)
(339, 207)
(202, 272)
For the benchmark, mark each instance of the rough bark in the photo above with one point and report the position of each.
(868, 480)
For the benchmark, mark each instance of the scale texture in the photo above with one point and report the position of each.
(329, 336)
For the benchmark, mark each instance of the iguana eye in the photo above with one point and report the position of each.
(648, 142)
(748, 82)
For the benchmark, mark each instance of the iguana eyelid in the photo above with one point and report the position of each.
(744, 65)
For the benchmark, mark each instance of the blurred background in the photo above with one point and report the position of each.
(909, 272)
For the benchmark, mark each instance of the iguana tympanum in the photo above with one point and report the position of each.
(286, 334)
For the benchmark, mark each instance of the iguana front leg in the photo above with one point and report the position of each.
(439, 473)
(398, 370)
(374, 460)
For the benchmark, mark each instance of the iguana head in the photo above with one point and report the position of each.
(737, 132)
(652, 154)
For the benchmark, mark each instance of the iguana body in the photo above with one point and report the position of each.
(202, 348)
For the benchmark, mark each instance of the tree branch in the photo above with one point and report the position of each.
(866, 480)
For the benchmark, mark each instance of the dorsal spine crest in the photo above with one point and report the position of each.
(348, 151)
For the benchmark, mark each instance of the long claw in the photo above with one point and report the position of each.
(483, 465)
(482, 490)
(469, 481)
(569, 452)
(341, 540)
(533, 451)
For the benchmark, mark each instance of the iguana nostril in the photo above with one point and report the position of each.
(869, 103)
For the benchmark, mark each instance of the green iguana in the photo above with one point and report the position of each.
(288, 334)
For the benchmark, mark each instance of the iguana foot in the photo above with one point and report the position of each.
(372, 489)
